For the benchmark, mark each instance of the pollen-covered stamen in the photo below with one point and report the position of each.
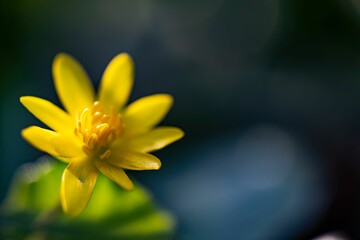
(106, 154)
(103, 131)
(98, 130)
(92, 142)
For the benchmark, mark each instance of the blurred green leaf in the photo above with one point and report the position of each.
(111, 214)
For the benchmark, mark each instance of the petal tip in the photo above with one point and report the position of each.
(60, 59)
(69, 212)
(123, 59)
(181, 133)
(26, 132)
(169, 97)
(60, 56)
(125, 56)
(129, 187)
(25, 99)
(23, 132)
(157, 166)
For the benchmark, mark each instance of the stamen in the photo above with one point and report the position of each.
(98, 130)
(96, 107)
(96, 117)
(106, 154)
(76, 132)
(79, 124)
(93, 141)
(105, 118)
(87, 150)
(103, 132)
(86, 135)
(84, 114)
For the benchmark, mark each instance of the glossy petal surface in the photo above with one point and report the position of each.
(143, 114)
(156, 139)
(116, 174)
(117, 81)
(78, 181)
(72, 84)
(40, 138)
(48, 113)
(66, 147)
(135, 160)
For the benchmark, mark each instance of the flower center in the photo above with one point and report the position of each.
(98, 130)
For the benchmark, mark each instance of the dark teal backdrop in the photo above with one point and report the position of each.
(267, 91)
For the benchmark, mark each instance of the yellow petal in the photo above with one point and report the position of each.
(145, 113)
(116, 174)
(77, 185)
(40, 138)
(48, 113)
(66, 147)
(155, 139)
(117, 81)
(72, 84)
(51, 142)
(134, 160)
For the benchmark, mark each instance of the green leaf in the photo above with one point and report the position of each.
(111, 214)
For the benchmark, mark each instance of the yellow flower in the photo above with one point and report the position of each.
(98, 133)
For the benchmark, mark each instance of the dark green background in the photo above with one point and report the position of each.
(249, 77)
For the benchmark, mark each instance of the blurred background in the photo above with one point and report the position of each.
(267, 91)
